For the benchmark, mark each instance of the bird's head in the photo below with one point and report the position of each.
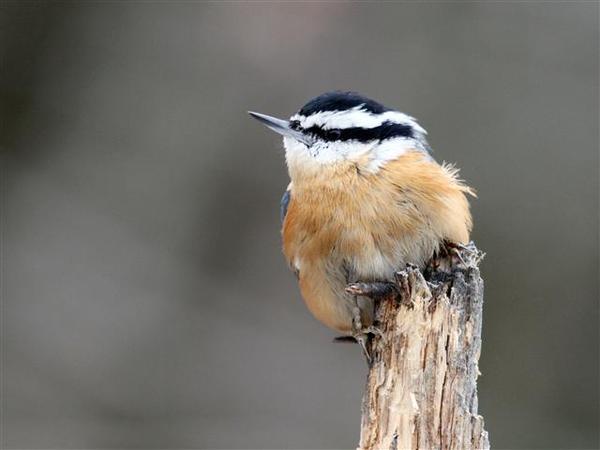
(344, 128)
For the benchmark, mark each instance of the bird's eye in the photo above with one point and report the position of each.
(295, 125)
(334, 135)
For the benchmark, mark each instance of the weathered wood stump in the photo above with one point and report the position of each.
(421, 389)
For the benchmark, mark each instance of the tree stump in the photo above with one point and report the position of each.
(421, 389)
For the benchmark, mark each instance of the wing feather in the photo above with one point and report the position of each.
(283, 205)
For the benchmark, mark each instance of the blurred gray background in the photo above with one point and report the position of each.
(145, 300)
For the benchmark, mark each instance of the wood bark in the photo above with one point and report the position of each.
(421, 388)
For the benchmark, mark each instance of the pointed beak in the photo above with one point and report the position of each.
(281, 127)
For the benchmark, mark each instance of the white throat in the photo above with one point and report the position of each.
(312, 159)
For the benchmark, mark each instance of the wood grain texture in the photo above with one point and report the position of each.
(421, 389)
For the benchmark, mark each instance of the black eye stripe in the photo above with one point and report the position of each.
(386, 130)
(334, 134)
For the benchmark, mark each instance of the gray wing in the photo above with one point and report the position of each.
(283, 205)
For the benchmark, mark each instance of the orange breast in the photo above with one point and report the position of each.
(347, 224)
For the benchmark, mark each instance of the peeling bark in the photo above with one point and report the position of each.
(421, 389)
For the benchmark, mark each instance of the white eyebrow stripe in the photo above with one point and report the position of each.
(355, 118)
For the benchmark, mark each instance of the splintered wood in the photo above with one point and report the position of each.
(421, 389)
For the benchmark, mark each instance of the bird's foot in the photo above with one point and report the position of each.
(363, 335)
(363, 339)
(454, 250)
(445, 260)
(374, 290)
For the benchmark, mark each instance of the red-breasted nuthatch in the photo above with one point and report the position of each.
(365, 199)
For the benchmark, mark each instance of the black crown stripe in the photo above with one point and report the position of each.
(341, 101)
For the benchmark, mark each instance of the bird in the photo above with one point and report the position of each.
(365, 198)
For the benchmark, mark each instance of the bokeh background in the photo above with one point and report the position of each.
(145, 302)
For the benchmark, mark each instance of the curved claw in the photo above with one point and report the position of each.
(362, 340)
